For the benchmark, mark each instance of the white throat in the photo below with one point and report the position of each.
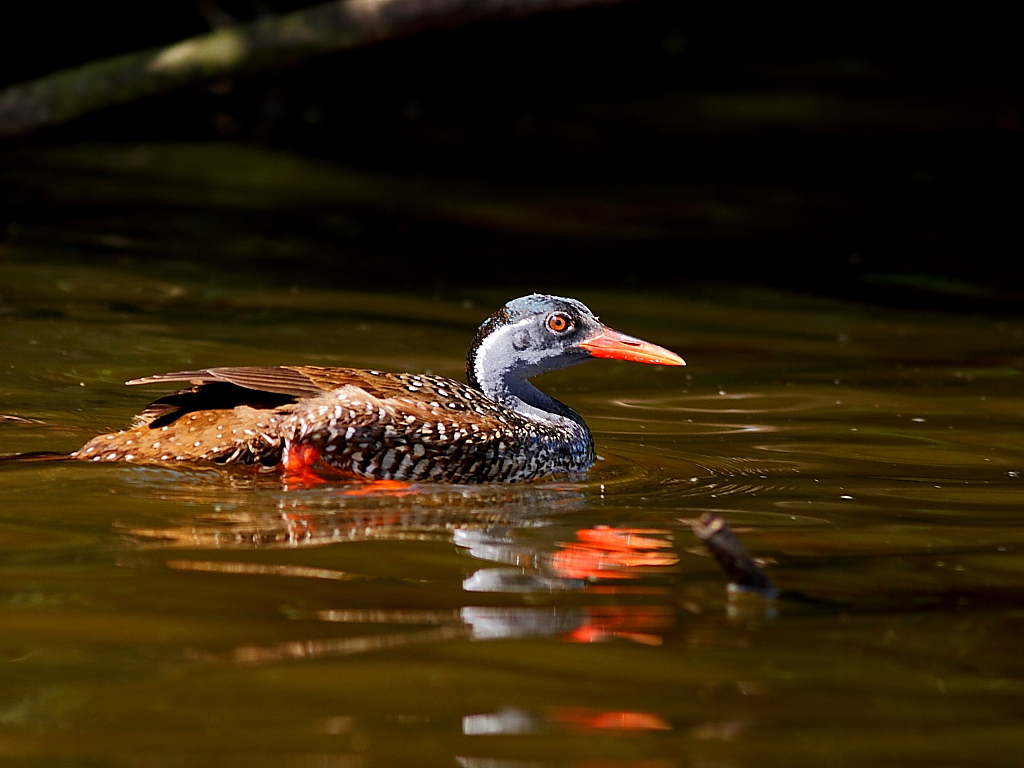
(501, 366)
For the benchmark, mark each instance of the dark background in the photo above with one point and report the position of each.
(853, 150)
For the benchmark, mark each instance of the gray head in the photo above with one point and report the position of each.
(538, 333)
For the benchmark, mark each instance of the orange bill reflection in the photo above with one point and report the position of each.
(597, 561)
(513, 720)
(603, 552)
(637, 623)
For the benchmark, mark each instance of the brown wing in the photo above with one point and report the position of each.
(282, 381)
(408, 412)
(295, 381)
(377, 383)
(366, 419)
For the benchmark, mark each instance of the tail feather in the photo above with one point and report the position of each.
(33, 456)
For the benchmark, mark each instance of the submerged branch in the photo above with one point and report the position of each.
(268, 42)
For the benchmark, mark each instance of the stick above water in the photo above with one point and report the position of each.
(744, 574)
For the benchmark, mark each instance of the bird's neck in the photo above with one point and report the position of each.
(500, 365)
(521, 396)
(518, 394)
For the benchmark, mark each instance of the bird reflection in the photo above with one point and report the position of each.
(598, 553)
(610, 576)
(349, 514)
(595, 555)
(610, 554)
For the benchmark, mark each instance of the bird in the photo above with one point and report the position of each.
(372, 425)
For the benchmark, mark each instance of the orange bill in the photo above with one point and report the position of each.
(618, 346)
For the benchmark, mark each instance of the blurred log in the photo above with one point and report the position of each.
(265, 43)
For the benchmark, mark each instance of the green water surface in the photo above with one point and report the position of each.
(871, 457)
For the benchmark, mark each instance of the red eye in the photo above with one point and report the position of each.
(559, 323)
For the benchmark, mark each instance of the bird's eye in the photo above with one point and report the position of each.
(559, 323)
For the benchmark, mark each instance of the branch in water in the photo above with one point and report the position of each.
(272, 41)
(732, 556)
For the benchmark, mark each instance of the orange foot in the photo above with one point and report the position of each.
(390, 487)
(298, 465)
(304, 467)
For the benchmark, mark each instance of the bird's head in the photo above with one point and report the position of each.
(538, 333)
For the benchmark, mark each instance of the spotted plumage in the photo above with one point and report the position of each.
(393, 426)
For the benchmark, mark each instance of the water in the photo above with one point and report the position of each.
(871, 457)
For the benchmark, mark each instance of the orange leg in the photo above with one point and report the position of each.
(298, 464)
(303, 465)
(392, 487)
